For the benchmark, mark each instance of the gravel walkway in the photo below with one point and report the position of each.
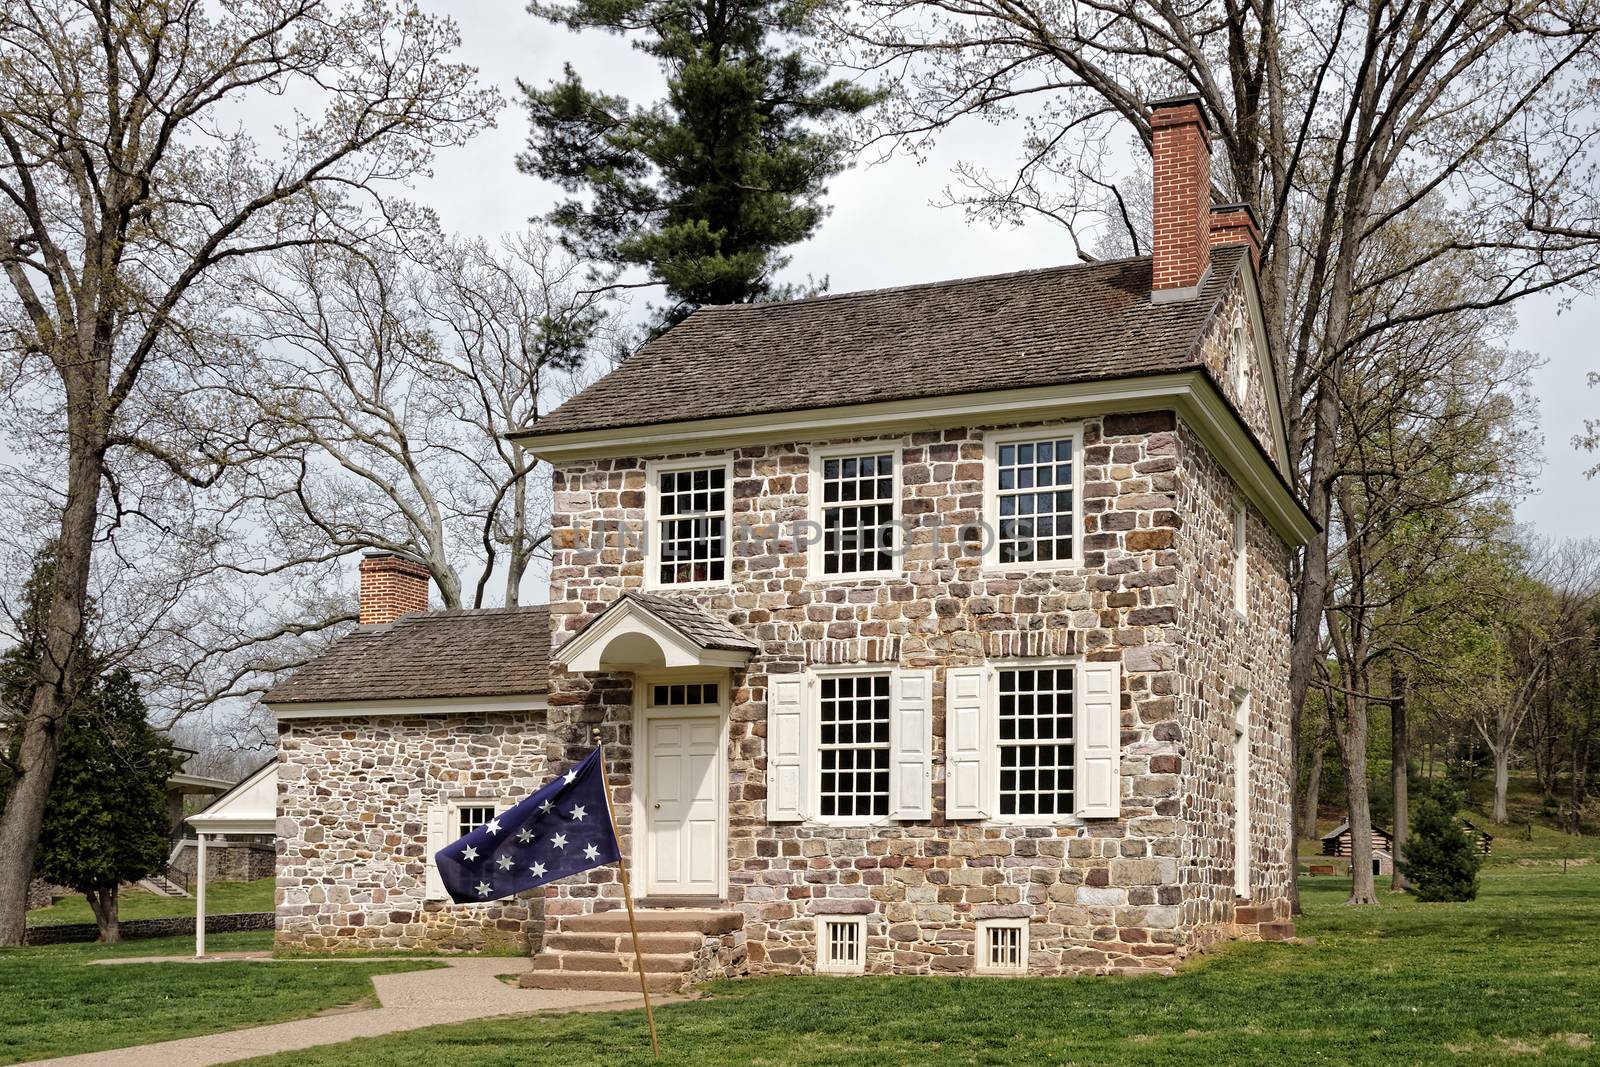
(466, 988)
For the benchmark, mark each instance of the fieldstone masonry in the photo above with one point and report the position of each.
(352, 835)
(1155, 591)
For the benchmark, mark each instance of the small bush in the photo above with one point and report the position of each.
(1440, 857)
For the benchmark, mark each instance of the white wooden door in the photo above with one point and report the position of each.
(683, 806)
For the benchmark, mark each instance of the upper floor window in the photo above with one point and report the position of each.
(1031, 513)
(857, 507)
(689, 528)
(1239, 365)
(1035, 735)
(1241, 565)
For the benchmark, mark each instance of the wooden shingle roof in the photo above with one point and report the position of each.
(441, 654)
(1031, 328)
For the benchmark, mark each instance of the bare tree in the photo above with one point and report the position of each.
(1339, 123)
(129, 190)
(390, 383)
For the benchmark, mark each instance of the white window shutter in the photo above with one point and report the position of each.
(438, 837)
(969, 753)
(1098, 741)
(911, 746)
(787, 741)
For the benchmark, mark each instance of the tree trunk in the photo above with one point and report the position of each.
(1313, 794)
(1502, 781)
(1353, 757)
(103, 902)
(54, 689)
(1399, 769)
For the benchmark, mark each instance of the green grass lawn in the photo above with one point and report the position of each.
(1512, 976)
(53, 1003)
(221, 899)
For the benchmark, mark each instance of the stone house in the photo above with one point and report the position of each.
(938, 629)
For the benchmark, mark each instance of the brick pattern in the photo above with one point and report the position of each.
(1181, 196)
(391, 586)
(1235, 224)
(353, 796)
(1101, 895)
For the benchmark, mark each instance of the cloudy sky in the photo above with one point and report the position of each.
(884, 230)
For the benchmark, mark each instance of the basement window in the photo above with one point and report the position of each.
(841, 944)
(1002, 946)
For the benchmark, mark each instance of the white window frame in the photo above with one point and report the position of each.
(991, 495)
(826, 966)
(1241, 561)
(652, 517)
(814, 784)
(1075, 664)
(1241, 368)
(815, 508)
(981, 947)
(1241, 795)
(452, 821)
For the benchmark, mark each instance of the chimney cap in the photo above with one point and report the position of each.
(1173, 103)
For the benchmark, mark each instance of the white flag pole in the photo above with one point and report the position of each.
(627, 896)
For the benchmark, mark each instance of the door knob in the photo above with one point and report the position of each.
(658, 807)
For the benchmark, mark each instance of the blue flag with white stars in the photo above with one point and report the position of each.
(563, 829)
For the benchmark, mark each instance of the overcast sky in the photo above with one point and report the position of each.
(884, 230)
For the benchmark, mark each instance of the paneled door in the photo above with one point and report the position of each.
(683, 806)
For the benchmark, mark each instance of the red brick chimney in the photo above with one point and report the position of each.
(1236, 224)
(391, 586)
(1180, 198)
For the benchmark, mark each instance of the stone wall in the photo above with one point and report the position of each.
(1101, 895)
(353, 796)
(178, 926)
(230, 861)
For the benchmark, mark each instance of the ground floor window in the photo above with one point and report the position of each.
(854, 717)
(1035, 737)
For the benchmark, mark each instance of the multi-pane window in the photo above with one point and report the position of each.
(683, 695)
(1002, 946)
(858, 513)
(692, 525)
(471, 816)
(854, 716)
(1033, 500)
(841, 947)
(1035, 736)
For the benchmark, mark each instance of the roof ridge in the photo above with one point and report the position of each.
(965, 279)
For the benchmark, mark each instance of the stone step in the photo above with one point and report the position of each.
(1283, 931)
(665, 920)
(609, 981)
(660, 963)
(619, 941)
(1250, 914)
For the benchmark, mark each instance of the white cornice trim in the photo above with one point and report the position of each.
(1190, 393)
(333, 709)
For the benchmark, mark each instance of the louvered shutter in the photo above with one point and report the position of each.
(438, 837)
(968, 750)
(911, 746)
(1098, 741)
(787, 742)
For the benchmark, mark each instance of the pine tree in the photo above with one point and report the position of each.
(1440, 857)
(706, 187)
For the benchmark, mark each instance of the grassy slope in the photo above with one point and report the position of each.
(52, 1003)
(221, 899)
(1515, 973)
